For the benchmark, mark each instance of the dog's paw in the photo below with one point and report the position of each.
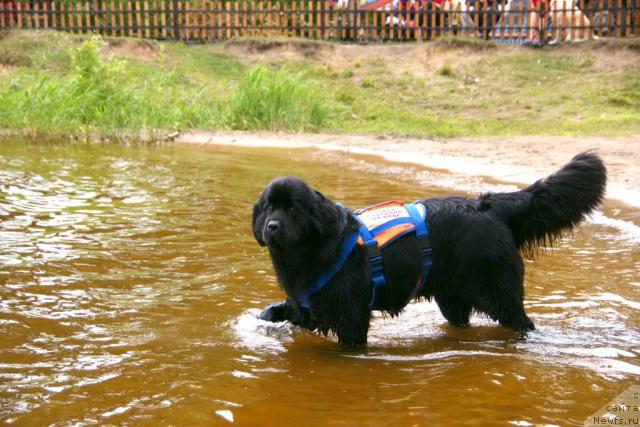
(273, 313)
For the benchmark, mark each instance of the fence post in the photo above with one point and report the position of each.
(176, 27)
(322, 19)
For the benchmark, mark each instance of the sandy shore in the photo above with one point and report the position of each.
(520, 160)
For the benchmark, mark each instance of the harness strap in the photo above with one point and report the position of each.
(346, 249)
(422, 233)
(375, 259)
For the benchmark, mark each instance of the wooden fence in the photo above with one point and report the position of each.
(512, 21)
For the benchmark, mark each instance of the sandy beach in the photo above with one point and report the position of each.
(519, 160)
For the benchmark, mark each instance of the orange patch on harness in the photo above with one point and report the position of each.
(388, 234)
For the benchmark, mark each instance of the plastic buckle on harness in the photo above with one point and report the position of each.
(377, 271)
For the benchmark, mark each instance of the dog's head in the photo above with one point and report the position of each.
(291, 214)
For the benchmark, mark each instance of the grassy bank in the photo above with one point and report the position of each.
(59, 83)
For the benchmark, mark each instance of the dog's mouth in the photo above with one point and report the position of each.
(280, 240)
(275, 240)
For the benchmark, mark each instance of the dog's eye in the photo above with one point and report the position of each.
(294, 209)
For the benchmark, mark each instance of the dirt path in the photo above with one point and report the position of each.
(519, 160)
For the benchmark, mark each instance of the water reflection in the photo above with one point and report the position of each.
(130, 284)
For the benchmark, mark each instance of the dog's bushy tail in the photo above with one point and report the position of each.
(540, 213)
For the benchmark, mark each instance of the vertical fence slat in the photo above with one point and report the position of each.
(206, 20)
(391, 25)
(244, 18)
(19, 13)
(448, 12)
(562, 33)
(320, 20)
(194, 21)
(294, 30)
(275, 18)
(582, 24)
(112, 19)
(145, 13)
(545, 19)
(37, 13)
(636, 8)
(3, 12)
(572, 20)
(76, 14)
(210, 21)
(259, 19)
(155, 6)
(236, 19)
(71, 13)
(347, 21)
(610, 17)
(440, 24)
(163, 18)
(598, 5)
(554, 19)
(28, 15)
(197, 21)
(288, 13)
(188, 34)
(628, 12)
(85, 17)
(619, 21)
(138, 12)
(122, 18)
(327, 21)
(267, 18)
(374, 23)
(45, 13)
(231, 20)
(255, 18)
(227, 19)
(383, 25)
(215, 14)
(62, 21)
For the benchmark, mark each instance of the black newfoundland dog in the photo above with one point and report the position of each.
(476, 244)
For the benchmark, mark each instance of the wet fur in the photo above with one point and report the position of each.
(477, 246)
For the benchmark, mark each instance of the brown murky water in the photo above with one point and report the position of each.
(129, 284)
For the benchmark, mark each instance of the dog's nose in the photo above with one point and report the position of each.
(273, 226)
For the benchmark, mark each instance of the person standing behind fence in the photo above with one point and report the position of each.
(10, 16)
(535, 20)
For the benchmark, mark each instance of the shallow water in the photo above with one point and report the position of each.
(130, 280)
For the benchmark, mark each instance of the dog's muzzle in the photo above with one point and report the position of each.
(273, 231)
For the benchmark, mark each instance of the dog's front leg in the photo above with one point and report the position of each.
(286, 311)
(353, 327)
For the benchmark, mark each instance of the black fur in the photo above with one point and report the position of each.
(476, 250)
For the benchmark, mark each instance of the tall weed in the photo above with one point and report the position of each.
(275, 100)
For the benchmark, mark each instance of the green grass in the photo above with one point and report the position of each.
(274, 100)
(59, 83)
(98, 94)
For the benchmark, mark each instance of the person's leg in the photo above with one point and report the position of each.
(533, 22)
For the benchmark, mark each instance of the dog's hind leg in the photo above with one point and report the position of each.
(500, 294)
(454, 310)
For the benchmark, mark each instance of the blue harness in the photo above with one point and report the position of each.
(412, 222)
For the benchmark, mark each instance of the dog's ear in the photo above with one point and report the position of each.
(258, 222)
(326, 216)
